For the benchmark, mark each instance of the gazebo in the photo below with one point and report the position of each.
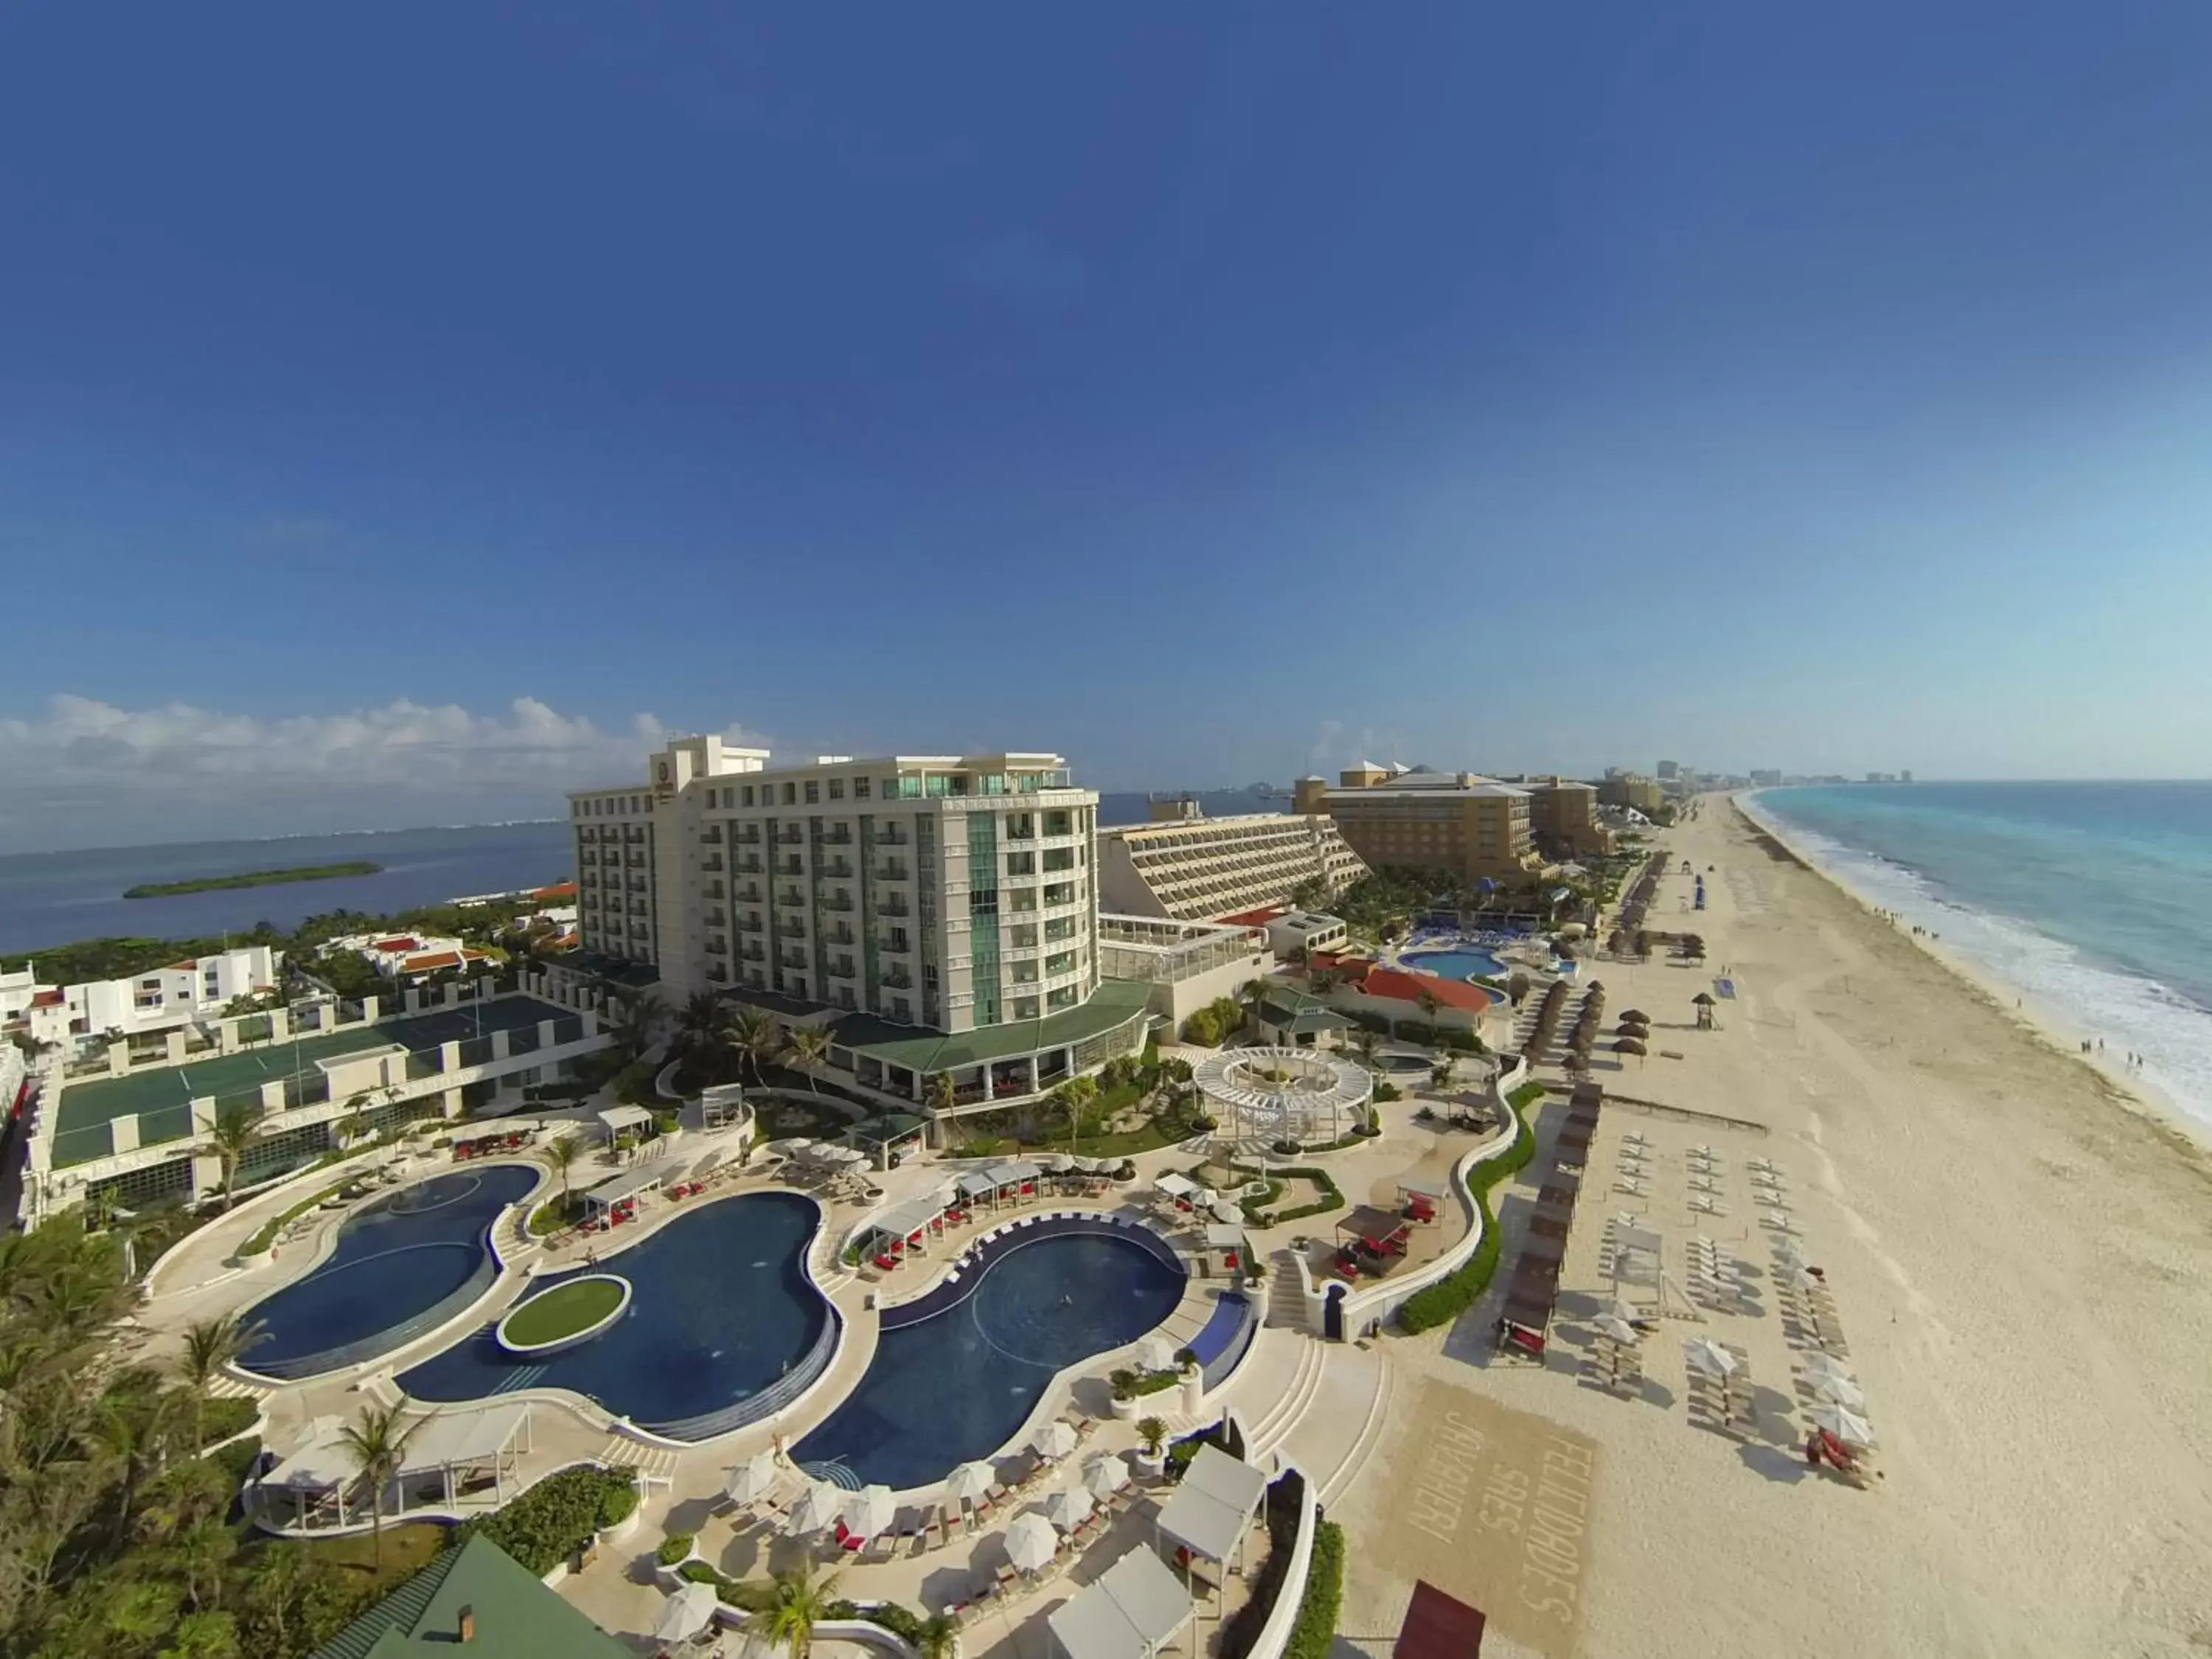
(618, 1120)
(1211, 1514)
(883, 1136)
(723, 1106)
(318, 1477)
(903, 1227)
(1284, 1094)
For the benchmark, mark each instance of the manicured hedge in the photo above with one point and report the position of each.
(1315, 1633)
(1284, 1500)
(1448, 1298)
(1525, 1096)
(550, 1521)
(267, 1236)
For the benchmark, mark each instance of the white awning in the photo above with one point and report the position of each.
(1134, 1608)
(1224, 1238)
(323, 1464)
(911, 1217)
(1013, 1173)
(1214, 1504)
(453, 1439)
(615, 1188)
(619, 1118)
(976, 1184)
(1174, 1185)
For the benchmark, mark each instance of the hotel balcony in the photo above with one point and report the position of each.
(892, 907)
(713, 861)
(894, 872)
(835, 838)
(840, 870)
(711, 837)
(892, 838)
(836, 903)
(898, 980)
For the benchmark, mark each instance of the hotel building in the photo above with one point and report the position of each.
(1188, 867)
(1472, 828)
(1563, 817)
(937, 912)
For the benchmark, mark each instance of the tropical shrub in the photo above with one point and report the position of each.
(675, 1547)
(1448, 1298)
(552, 1520)
(1314, 1634)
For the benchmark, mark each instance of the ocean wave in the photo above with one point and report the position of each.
(2133, 1013)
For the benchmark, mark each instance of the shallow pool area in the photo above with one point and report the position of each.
(959, 1382)
(723, 1325)
(403, 1264)
(1460, 962)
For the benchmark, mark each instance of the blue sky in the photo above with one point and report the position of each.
(437, 399)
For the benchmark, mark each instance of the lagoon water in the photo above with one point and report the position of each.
(2095, 899)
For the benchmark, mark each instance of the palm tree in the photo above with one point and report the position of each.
(1429, 1004)
(807, 1048)
(938, 1639)
(1369, 1047)
(377, 1443)
(561, 1153)
(699, 1025)
(753, 1033)
(799, 1603)
(210, 1345)
(234, 1130)
(1440, 1074)
(1153, 1432)
(937, 1093)
(634, 1026)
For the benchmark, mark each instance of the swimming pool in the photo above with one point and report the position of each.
(403, 1263)
(1461, 962)
(723, 1325)
(959, 1383)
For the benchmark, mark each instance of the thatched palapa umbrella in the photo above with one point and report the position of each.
(1628, 1046)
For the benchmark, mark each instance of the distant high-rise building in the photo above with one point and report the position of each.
(1905, 777)
(1765, 780)
(1670, 770)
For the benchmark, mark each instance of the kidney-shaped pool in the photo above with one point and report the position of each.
(403, 1263)
(723, 1324)
(958, 1381)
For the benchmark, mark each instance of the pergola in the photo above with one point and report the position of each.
(1133, 1610)
(884, 1135)
(908, 1226)
(1011, 1176)
(621, 1188)
(620, 1119)
(1284, 1094)
(1210, 1513)
(460, 1447)
(723, 1105)
(318, 1476)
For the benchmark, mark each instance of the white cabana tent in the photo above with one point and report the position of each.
(318, 1476)
(456, 1446)
(1011, 1173)
(618, 1120)
(723, 1105)
(1133, 1610)
(975, 1184)
(1174, 1185)
(901, 1222)
(616, 1189)
(1210, 1513)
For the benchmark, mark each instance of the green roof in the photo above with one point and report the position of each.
(1115, 1003)
(516, 1616)
(161, 1094)
(1297, 1010)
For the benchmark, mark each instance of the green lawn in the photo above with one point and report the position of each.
(561, 1311)
(407, 1546)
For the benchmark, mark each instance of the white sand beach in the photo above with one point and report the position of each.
(2017, 1256)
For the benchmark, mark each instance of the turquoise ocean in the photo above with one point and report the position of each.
(2094, 900)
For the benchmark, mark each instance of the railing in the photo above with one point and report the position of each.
(770, 1400)
(993, 1245)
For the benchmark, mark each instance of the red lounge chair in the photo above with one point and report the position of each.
(1029, 1189)
(1229, 1258)
(1422, 1210)
(886, 1263)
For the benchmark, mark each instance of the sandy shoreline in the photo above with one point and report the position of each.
(2017, 1253)
(2046, 1021)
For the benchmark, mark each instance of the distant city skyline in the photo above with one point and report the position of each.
(1822, 391)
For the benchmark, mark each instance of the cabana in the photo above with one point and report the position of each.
(1422, 1200)
(464, 1447)
(318, 1478)
(975, 1187)
(615, 1198)
(1211, 1514)
(1371, 1240)
(1180, 1190)
(723, 1106)
(1133, 1609)
(903, 1227)
(619, 1120)
(490, 1143)
(1016, 1178)
(1225, 1246)
(884, 1137)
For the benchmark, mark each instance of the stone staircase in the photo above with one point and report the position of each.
(1271, 1426)
(654, 1465)
(1286, 1303)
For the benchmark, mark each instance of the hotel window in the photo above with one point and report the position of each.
(813, 793)
(749, 794)
(836, 789)
(791, 794)
(861, 787)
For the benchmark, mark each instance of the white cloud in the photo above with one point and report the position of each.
(86, 771)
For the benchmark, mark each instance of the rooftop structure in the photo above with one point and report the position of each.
(1191, 867)
(477, 1598)
(1187, 963)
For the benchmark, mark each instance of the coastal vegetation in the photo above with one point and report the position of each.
(252, 878)
(1448, 1298)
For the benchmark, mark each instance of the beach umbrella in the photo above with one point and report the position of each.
(749, 1481)
(1614, 1326)
(1841, 1391)
(1030, 1542)
(1227, 1214)
(1105, 1475)
(1628, 1046)
(1066, 1508)
(1705, 999)
(869, 1511)
(1819, 1364)
(1055, 1440)
(685, 1614)
(1056, 1163)
(1706, 1355)
(817, 1510)
(1636, 1014)
(1575, 1063)
(1156, 1353)
(1847, 1426)
(1789, 1254)
(968, 1482)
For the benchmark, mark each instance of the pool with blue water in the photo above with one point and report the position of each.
(721, 1309)
(960, 1384)
(1461, 962)
(397, 1259)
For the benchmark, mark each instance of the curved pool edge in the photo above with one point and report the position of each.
(540, 1350)
(598, 1416)
(326, 1246)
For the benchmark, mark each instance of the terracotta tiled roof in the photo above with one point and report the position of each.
(557, 890)
(1408, 987)
(430, 961)
(403, 942)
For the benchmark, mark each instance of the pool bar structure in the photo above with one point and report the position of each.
(1298, 1095)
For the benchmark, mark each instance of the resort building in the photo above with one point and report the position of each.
(1631, 789)
(160, 1000)
(411, 956)
(1297, 934)
(937, 912)
(1470, 827)
(1188, 964)
(1192, 868)
(1563, 819)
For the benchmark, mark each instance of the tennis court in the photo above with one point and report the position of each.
(162, 1096)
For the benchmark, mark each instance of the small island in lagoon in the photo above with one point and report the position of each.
(252, 878)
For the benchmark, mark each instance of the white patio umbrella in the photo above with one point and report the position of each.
(1227, 1214)
(685, 1614)
(1054, 1441)
(1845, 1424)
(817, 1510)
(871, 1511)
(1706, 1355)
(1056, 1163)
(1818, 1364)
(1841, 1391)
(1030, 1542)
(1614, 1326)
(1155, 1352)
(749, 1481)
(968, 1482)
(1105, 1475)
(1066, 1508)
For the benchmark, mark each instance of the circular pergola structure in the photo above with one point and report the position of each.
(1285, 1094)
